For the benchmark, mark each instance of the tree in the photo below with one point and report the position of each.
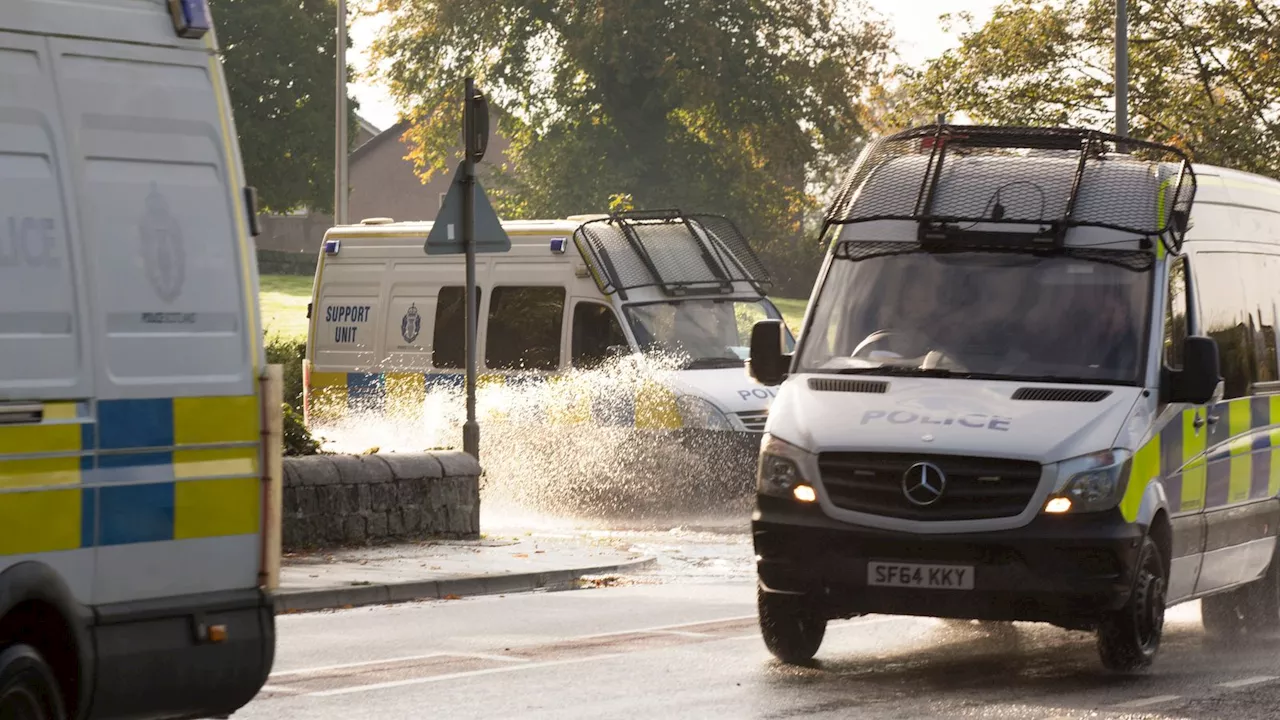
(280, 60)
(699, 104)
(1205, 74)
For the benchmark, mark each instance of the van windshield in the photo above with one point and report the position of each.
(704, 333)
(997, 315)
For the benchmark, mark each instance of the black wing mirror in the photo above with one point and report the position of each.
(1197, 381)
(768, 364)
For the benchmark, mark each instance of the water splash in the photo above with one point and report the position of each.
(566, 450)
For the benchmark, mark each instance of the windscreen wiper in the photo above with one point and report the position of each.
(902, 370)
(712, 362)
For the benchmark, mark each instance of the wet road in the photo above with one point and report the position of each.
(682, 643)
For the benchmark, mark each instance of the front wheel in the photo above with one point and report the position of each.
(27, 688)
(1129, 638)
(792, 627)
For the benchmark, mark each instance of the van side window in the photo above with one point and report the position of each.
(1175, 318)
(1222, 300)
(524, 329)
(1260, 293)
(595, 329)
(449, 341)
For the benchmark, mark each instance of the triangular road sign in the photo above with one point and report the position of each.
(445, 237)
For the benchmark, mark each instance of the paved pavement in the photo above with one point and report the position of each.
(446, 569)
(678, 639)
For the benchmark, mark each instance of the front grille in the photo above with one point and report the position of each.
(976, 488)
(754, 421)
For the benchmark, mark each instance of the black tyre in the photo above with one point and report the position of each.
(792, 626)
(1223, 615)
(1253, 608)
(1129, 638)
(27, 688)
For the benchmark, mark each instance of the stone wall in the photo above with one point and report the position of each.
(332, 500)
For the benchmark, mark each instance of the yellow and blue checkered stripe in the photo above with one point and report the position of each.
(1231, 461)
(334, 395)
(147, 471)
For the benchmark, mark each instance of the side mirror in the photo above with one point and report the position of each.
(768, 364)
(1197, 381)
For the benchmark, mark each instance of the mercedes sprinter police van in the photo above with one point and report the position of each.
(131, 491)
(569, 295)
(1006, 402)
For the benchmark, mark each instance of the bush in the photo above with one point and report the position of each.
(289, 353)
(297, 438)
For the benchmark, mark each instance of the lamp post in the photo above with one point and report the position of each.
(1122, 68)
(340, 122)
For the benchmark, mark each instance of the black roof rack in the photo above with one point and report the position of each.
(682, 254)
(983, 174)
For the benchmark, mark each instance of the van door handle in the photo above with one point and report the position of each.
(21, 414)
(1202, 420)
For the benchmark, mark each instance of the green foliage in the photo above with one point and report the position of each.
(280, 62)
(297, 438)
(1205, 74)
(289, 353)
(707, 106)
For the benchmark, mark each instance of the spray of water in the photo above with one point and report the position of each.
(567, 449)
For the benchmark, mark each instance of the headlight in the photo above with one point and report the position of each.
(695, 412)
(783, 467)
(1092, 482)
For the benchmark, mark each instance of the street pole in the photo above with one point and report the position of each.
(470, 430)
(1122, 68)
(340, 122)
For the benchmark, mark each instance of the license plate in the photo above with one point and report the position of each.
(934, 577)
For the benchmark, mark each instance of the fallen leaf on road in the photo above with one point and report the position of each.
(452, 597)
(538, 552)
(520, 555)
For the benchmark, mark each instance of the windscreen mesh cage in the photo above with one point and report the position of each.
(1058, 178)
(679, 253)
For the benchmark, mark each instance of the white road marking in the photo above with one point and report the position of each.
(1248, 681)
(405, 658)
(660, 629)
(860, 622)
(461, 675)
(678, 633)
(278, 689)
(1144, 702)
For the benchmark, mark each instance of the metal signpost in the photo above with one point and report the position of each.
(340, 122)
(467, 208)
(1122, 68)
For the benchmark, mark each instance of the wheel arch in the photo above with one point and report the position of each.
(37, 608)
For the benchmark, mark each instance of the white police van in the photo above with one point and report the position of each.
(1006, 401)
(387, 320)
(131, 410)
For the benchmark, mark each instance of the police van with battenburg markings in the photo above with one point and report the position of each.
(1037, 381)
(131, 409)
(387, 320)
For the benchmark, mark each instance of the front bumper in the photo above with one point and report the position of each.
(1066, 570)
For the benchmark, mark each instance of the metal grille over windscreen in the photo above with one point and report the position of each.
(1035, 181)
(681, 254)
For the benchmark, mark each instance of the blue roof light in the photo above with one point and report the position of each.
(558, 245)
(331, 247)
(190, 18)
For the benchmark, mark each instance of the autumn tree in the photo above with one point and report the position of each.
(1205, 74)
(280, 60)
(706, 105)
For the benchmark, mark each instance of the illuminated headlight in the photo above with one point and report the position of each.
(1093, 482)
(783, 467)
(700, 414)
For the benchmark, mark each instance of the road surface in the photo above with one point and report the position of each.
(683, 643)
